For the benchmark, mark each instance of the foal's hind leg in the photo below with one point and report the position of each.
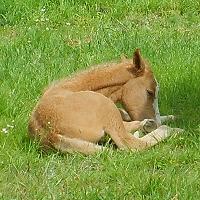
(115, 128)
(65, 144)
(159, 134)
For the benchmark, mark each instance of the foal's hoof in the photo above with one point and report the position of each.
(171, 117)
(148, 125)
(125, 116)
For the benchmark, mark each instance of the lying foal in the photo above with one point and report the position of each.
(75, 113)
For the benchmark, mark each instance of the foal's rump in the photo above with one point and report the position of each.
(78, 115)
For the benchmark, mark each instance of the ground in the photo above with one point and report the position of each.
(42, 41)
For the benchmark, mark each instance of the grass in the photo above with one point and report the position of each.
(41, 41)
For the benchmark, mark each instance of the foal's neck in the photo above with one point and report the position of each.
(96, 79)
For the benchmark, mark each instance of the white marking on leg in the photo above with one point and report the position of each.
(155, 105)
(160, 134)
(167, 118)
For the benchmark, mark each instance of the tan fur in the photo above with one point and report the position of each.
(74, 114)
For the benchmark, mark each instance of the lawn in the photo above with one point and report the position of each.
(42, 41)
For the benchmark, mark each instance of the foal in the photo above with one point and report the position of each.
(74, 114)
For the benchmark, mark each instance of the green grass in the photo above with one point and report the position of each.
(41, 41)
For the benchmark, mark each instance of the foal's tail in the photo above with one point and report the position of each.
(69, 145)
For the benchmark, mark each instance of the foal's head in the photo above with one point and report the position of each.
(140, 93)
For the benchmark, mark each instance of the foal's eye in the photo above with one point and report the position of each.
(150, 93)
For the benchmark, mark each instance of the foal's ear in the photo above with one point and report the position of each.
(138, 63)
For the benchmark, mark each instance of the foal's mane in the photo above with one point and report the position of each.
(99, 67)
(98, 74)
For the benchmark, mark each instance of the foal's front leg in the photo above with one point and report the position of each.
(125, 116)
(147, 125)
(167, 118)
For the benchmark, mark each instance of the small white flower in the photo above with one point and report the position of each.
(68, 24)
(10, 126)
(43, 10)
(47, 28)
(49, 122)
(5, 130)
(51, 173)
